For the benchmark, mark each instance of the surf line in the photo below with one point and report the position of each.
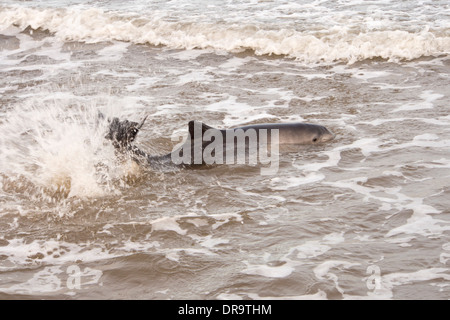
(207, 145)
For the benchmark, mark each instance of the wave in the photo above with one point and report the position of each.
(338, 44)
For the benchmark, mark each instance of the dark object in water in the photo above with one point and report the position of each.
(122, 133)
(203, 137)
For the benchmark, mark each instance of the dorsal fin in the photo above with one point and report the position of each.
(194, 123)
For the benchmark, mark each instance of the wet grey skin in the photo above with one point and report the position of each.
(295, 133)
(122, 133)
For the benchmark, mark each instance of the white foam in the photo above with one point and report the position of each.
(236, 112)
(62, 149)
(114, 52)
(175, 254)
(311, 76)
(198, 222)
(425, 140)
(43, 282)
(367, 146)
(19, 252)
(51, 280)
(389, 281)
(402, 241)
(171, 224)
(444, 257)
(314, 248)
(438, 163)
(229, 296)
(143, 83)
(428, 98)
(286, 183)
(201, 76)
(116, 74)
(235, 63)
(334, 238)
(209, 241)
(441, 121)
(322, 271)
(334, 157)
(310, 98)
(223, 218)
(421, 222)
(319, 295)
(167, 224)
(268, 271)
(95, 25)
(311, 249)
(254, 194)
(367, 75)
(296, 256)
(187, 55)
(8, 88)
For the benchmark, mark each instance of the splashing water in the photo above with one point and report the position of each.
(51, 151)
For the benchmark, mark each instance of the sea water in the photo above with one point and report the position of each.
(365, 216)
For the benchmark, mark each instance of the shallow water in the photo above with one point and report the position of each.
(363, 216)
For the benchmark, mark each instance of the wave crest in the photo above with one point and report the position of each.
(336, 44)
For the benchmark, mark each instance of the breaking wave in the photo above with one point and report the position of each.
(340, 43)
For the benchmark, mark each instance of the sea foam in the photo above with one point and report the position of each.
(338, 43)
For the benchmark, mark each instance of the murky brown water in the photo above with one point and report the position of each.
(364, 216)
